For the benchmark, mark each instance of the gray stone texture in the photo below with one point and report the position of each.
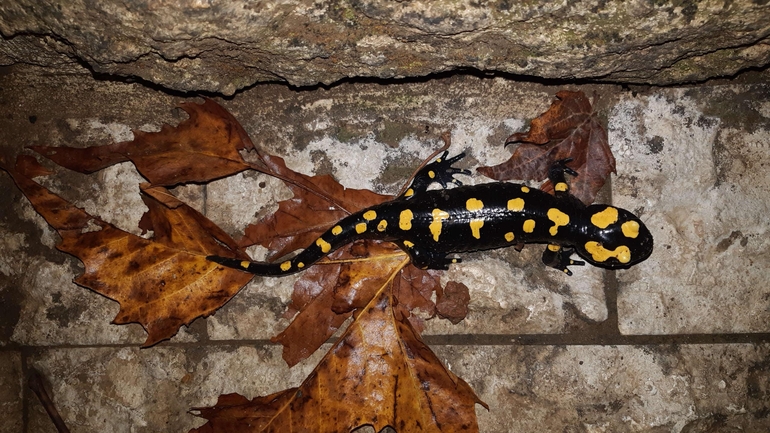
(221, 47)
(679, 343)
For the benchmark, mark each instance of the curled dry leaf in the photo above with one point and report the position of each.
(452, 301)
(569, 129)
(204, 147)
(379, 373)
(161, 283)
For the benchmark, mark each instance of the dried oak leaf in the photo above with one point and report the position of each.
(202, 148)
(318, 203)
(568, 129)
(161, 283)
(379, 373)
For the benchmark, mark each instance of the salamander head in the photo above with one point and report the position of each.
(614, 238)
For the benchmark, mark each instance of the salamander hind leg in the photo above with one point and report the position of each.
(559, 258)
(440, 171)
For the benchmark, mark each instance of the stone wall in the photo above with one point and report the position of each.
(221, 47)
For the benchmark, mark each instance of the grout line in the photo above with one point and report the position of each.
(595, 339)
(577, 338)
(25, 391)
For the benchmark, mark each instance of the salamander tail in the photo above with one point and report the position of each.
(258, 268)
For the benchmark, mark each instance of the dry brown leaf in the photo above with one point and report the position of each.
(452, 301)
(327, 294)
(28, 166)
(160, 283)
(318, 203)
(379, 373)
(568, 129)
(165, 282)
(414, 289)
(202, 148)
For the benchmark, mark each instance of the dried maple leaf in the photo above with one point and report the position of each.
(568, 129)
(328, 293)
(165, 282)
(202, 148)
(318, 203)
(161, 283)
(325, 296)
(379, 373)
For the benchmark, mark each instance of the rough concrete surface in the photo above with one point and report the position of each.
(679, 343)
(221, 47)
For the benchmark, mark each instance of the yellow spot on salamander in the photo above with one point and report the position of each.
(325, 246)
(245, 264)
(285, 266)
(474, 204)
(409, 192)
(630, 229)
(601, 254)
(300, 265)
(554, 247)
(525, 189)
(509, 236)
(561, 187)
(336, 230)
(405, 220)
(370, 215)
(382, 226)
(360, 228)
(435, 226)
(431, 174)
(559, 218)
(408, 244)
(476, 225)
(516, 204)
(605, 218)
(529, 226)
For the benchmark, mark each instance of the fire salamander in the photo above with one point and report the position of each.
(432, 226)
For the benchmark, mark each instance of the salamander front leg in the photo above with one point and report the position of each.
(425, 259)
(440, 171)
(559, 258)
(556, 176)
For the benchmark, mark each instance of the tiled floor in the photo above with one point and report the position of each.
(679, 343)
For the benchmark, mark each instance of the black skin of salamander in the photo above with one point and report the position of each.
(501, 227)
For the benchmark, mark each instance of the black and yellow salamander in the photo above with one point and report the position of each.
(432, 226)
